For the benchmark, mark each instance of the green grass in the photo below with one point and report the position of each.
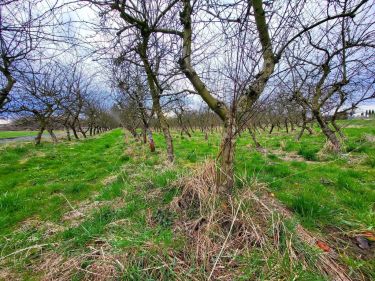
(126, 189)
(15, 134)
(38, 181)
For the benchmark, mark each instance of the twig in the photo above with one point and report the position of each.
(225, 241)
(75, 210)
(24, 249)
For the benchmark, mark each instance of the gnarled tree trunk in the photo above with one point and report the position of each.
(74, 132)
(330, 134)
(155, 90)
(337, 128)
(38, 137)
(53, 136)
(68, 133)
(225, 169)
(253, 136)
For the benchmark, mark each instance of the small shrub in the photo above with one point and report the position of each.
(307, 153)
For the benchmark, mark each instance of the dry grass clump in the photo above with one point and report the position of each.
(327, 149)
(76, 215)
(96, 265)
(220, 229)
(369, 138)
(5, 274)
(109, 180)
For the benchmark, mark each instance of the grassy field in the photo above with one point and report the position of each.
(15, 134)
(101, 207)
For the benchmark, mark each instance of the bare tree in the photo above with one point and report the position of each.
(250, 39)
(134, 97)
(140, 33)
(21, 33)
(40, 93)
(333, 72)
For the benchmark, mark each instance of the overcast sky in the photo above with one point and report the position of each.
(82, 24)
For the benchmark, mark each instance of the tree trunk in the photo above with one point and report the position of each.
(278, 126)
(292, 125)
(67, 133)
(299, 136)
(286, 126)
(253, 136)
(155, 90)
(271, 129)
(53, 136)
(144, 136)
(191, 127)
(39, 135)
(82, 131)
(74, 132)
(186, 131)
(330, 134)
(151, 140)
(163, 123)
(169, 141)
(337, 128)
(225, 170)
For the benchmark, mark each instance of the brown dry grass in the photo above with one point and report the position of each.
(77, 214)
(100, 265)
(221, 228)
(327, 149)
(370, 138)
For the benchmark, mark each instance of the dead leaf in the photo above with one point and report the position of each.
(369, 235)
(323, 246)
